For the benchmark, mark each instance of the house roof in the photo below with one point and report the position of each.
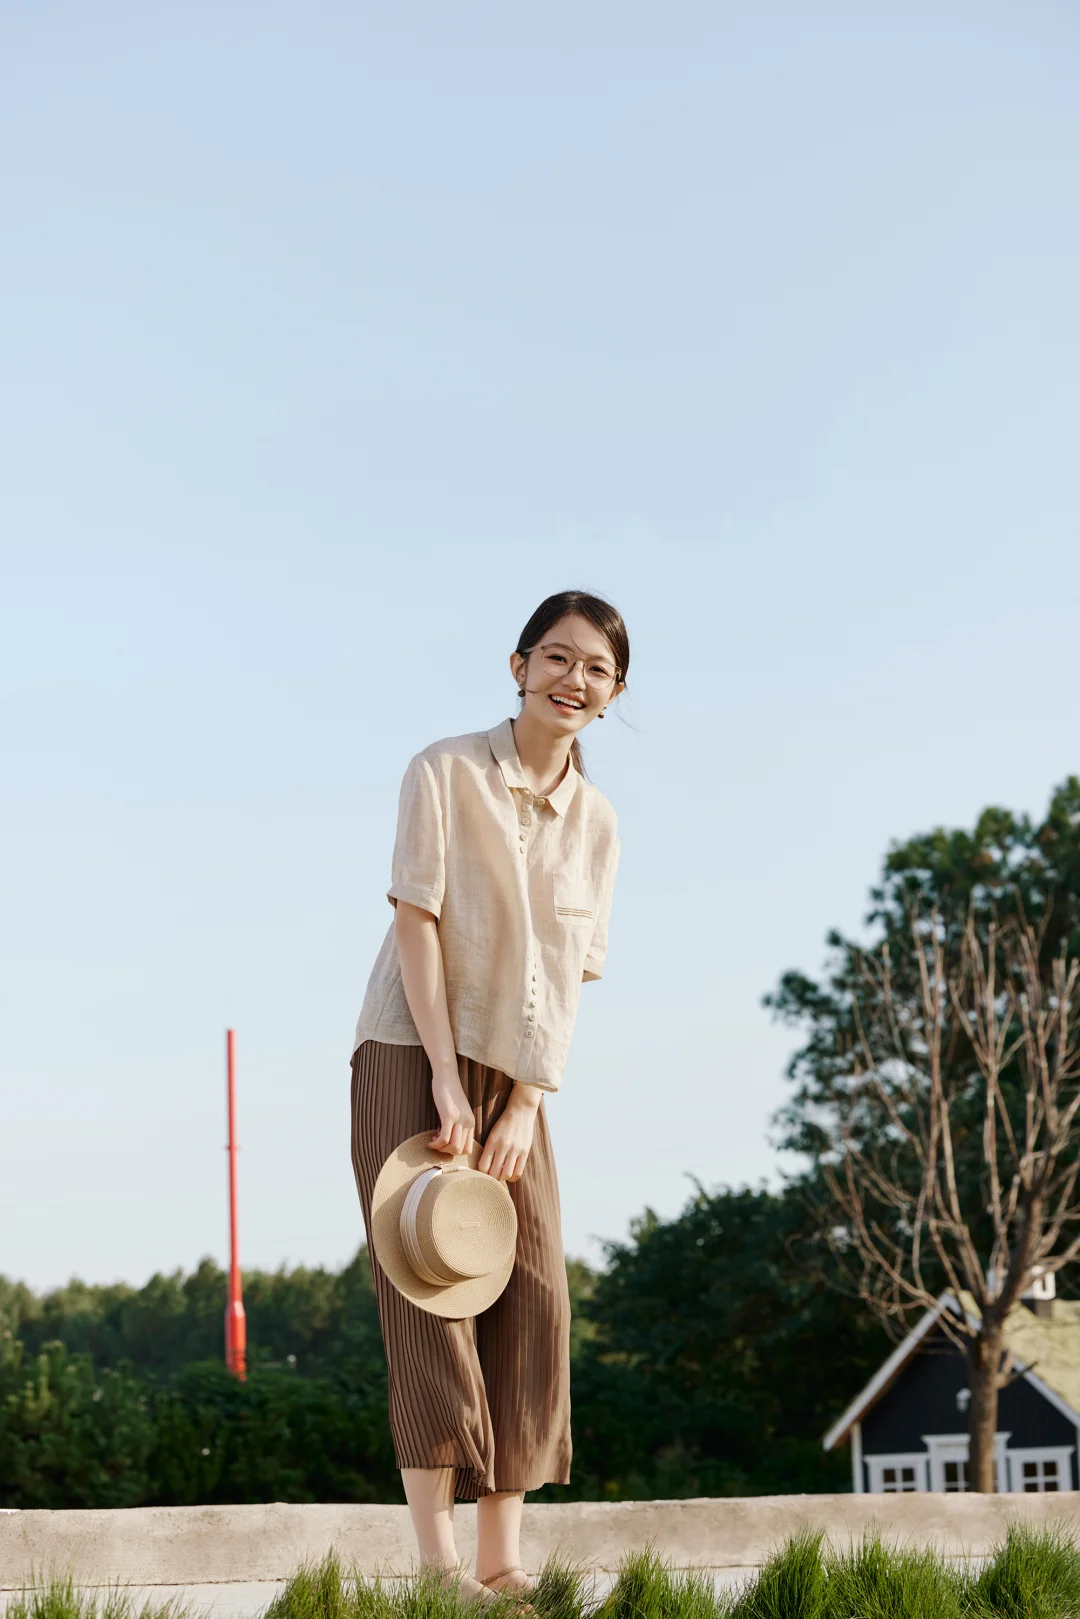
(1045, 1350)
(1048, 1348)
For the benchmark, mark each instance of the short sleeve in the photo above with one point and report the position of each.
(594, 961)
(418, 873)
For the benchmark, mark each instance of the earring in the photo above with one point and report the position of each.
(601, 714)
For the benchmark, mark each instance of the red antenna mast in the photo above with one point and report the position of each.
(235, 1320)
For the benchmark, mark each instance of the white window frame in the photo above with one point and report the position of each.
(956, 1447)
(875, 1466)
(1061, 1454)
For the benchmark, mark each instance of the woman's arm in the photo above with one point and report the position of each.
(424, 982)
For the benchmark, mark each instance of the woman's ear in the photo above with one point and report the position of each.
(518, 666)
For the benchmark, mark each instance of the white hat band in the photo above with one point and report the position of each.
(410, 1241)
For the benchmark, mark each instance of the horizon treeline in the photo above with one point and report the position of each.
(707, 1359)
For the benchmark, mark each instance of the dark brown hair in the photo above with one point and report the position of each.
(600, 614)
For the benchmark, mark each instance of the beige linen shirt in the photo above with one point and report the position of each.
(521, 887)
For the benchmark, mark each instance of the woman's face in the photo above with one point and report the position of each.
(569, 676)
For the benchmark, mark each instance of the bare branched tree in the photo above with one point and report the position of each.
(953, 1170)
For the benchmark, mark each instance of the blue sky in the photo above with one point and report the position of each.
(334, 337)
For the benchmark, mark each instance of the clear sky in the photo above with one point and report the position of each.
(335, 336)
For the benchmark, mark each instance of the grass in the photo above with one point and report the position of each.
(1034, 1575)
(60, 1598)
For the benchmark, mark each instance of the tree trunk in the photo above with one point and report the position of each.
(984, 1359)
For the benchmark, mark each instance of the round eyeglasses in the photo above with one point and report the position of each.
(559, 660)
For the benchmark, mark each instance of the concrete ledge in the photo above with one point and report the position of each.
(199, 1546)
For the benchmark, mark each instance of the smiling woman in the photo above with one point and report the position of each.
(502, 878)
(569, 631)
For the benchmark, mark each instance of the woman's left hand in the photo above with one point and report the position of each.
(506, 1150)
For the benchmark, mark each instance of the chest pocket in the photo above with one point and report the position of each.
(573, 901)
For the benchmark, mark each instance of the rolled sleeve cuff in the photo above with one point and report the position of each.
(422, 898)
(594, 968)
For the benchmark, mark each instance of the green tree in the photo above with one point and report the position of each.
(312, 1319)
(70, 1437)
(716, 1358)
(1004, 862)
(276, 1437)
(934, 1090)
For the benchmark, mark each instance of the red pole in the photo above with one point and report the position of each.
(235, 1320)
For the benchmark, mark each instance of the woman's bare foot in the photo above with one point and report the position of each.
(472, 1590)
(511, 1582)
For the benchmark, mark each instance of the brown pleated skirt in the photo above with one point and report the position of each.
(489, 1396)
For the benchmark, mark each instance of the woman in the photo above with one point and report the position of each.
(503, 870)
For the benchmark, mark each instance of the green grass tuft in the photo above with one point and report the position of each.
(792, 1581)
(562, 1591)
(646, 1588)
(876, 1580)
(316, 1591)
(58, 1597)
(1035, 1575)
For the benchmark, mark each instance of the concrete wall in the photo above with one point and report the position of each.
(194, 1547)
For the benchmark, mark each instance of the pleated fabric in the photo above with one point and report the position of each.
(488, 1396)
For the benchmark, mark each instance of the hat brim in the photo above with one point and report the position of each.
(457, 1300)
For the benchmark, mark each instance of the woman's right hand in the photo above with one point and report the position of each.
(457, 1120)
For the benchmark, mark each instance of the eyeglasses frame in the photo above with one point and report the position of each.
(541, 647)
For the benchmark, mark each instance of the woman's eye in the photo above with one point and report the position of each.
(599, 669)
(556, 657)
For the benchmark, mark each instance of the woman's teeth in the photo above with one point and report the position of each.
(569, 703)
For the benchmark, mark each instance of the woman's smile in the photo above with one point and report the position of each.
(566, 703)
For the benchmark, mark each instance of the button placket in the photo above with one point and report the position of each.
(525, 823)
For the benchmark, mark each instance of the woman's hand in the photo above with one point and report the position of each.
(424, 981)
(510, 1139)
(456, 1117)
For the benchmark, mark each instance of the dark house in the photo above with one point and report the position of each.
(908, 1426)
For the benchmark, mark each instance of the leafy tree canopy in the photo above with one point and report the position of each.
(1006, 861)
(716, 1358)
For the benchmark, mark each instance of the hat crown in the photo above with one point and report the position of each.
(457, 1225)
(472, 1227)
(444, 1234)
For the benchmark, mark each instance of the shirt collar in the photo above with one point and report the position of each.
(503, 747)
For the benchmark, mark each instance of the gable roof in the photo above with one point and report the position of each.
(1044, 1349)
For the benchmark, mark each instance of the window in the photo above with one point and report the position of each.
(1039, 1476)
(1041, 1471)
(897, 1475)
(948, 1462)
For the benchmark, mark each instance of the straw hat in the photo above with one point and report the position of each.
(444, 1233)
